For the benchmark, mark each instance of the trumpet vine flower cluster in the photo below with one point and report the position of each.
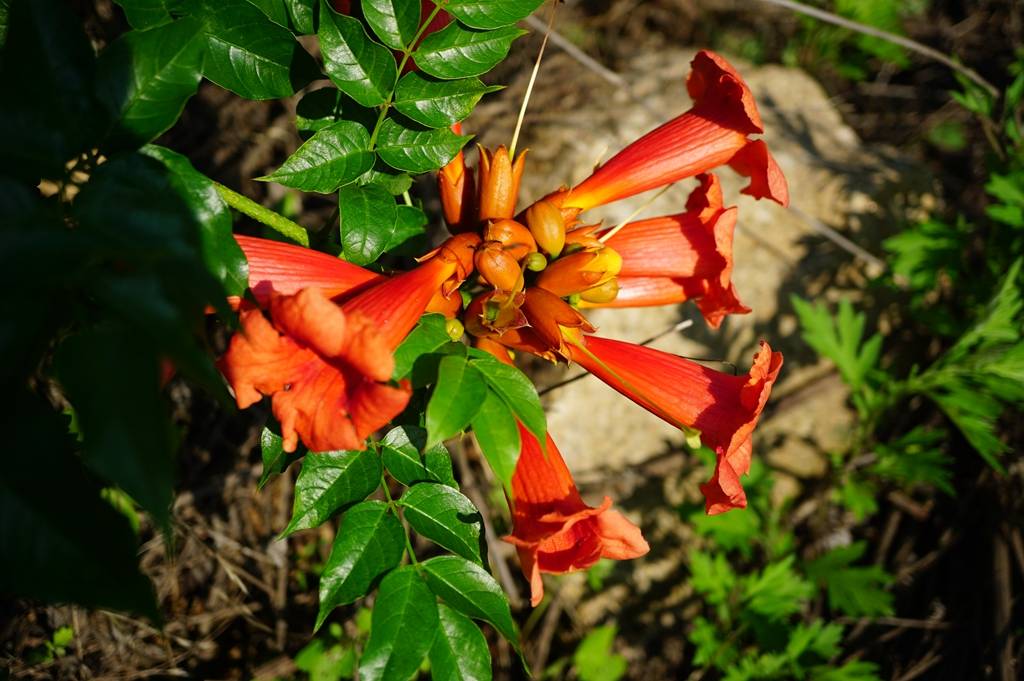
(319, 338)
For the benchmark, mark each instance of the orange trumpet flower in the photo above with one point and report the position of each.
(680, 257)
(722, 408)
(325, 366)
(553, 530)
(714, 132)
(276, 267)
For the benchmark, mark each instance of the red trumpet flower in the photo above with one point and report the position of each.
(553, 530)
(326, 366)
(276, 267)
(714, 132)
(680, 257)
(723, 408)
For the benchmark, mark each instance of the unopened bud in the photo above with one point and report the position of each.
(547, 226)
(514, 237)
(499, 183)
(454, 329)
(501, 270)
(602, 293)
(580, 271)
(535, 262)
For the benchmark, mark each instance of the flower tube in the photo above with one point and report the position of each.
(724, 409)
(715, 131)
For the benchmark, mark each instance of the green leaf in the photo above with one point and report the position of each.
(330, 481)
(471, 590)
(428, 336)
(274, 9)
(54, 520)
(857, 670)
(823, 640)
(143, 14)
(275, 459)
(416, 149)
(460, 651)
(301, 13)
(410, 222)
(858, 496)
(518, 393)
(458, 52)
(223, 257)
(251, 55)
(856, 591)
(334, 156)
(459, 392)
(317, 110)
(326, 664)
(405, 621)
(491, 13)
(446, 517)
(712, 576)
(438, 103)
(840, 340)
(361, 68)
(50, 113)
(401, 453)
(777, 592)
(113, 381)
(394, 21)
(392, 181)
(498, 436)
(367, 215)
(916, 458)
(145, 78)
(731, 531)
(595, 659)
(370, 541)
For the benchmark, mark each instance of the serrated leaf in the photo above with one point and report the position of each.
(857, 670)
(446, 517)
(370, 541)
(335, 155)
(251, 55)
(416, 149)
(50, 113)
(460, 651)
(403, 456)
(498, 436)
(486, 14)
(428, 335)
(595, 659)
(330, 481)
(145, 78)
(471, 590)
(712, 576)
(53, 519)
(405, 621)
(275, 459)
(731, 531)
(840, 339)
(459, 392)
(113, 382)
(518, 393)
(223, 257)
(395, 22)
(367, 215)
(459, 52)
(438, 103)
(777, 592)
(858, 591)
(361, 68)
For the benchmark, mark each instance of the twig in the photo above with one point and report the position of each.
(838, 239)
(547, 632)
(902, 41)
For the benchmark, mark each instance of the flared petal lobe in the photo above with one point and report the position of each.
(324, 369)
(681, 257)
(276, 267)
(722, 407)
(553, 530)
(714, 132)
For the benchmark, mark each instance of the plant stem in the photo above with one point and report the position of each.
(265, 216)
(405, 528)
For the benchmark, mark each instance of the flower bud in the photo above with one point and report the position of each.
(602, 293)
(580, 271)
(547, 226)
(514, 237)
(499, 183)
(498, 267)
(535, 262)
(454, 329)
(550, 317)
(490, 314)
(448, 305)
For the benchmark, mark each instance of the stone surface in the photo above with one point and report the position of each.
(576, 119)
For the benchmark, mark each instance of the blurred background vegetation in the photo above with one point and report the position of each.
(903, 561)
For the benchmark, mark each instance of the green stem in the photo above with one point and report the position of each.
(405, 528)
(276, 222)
